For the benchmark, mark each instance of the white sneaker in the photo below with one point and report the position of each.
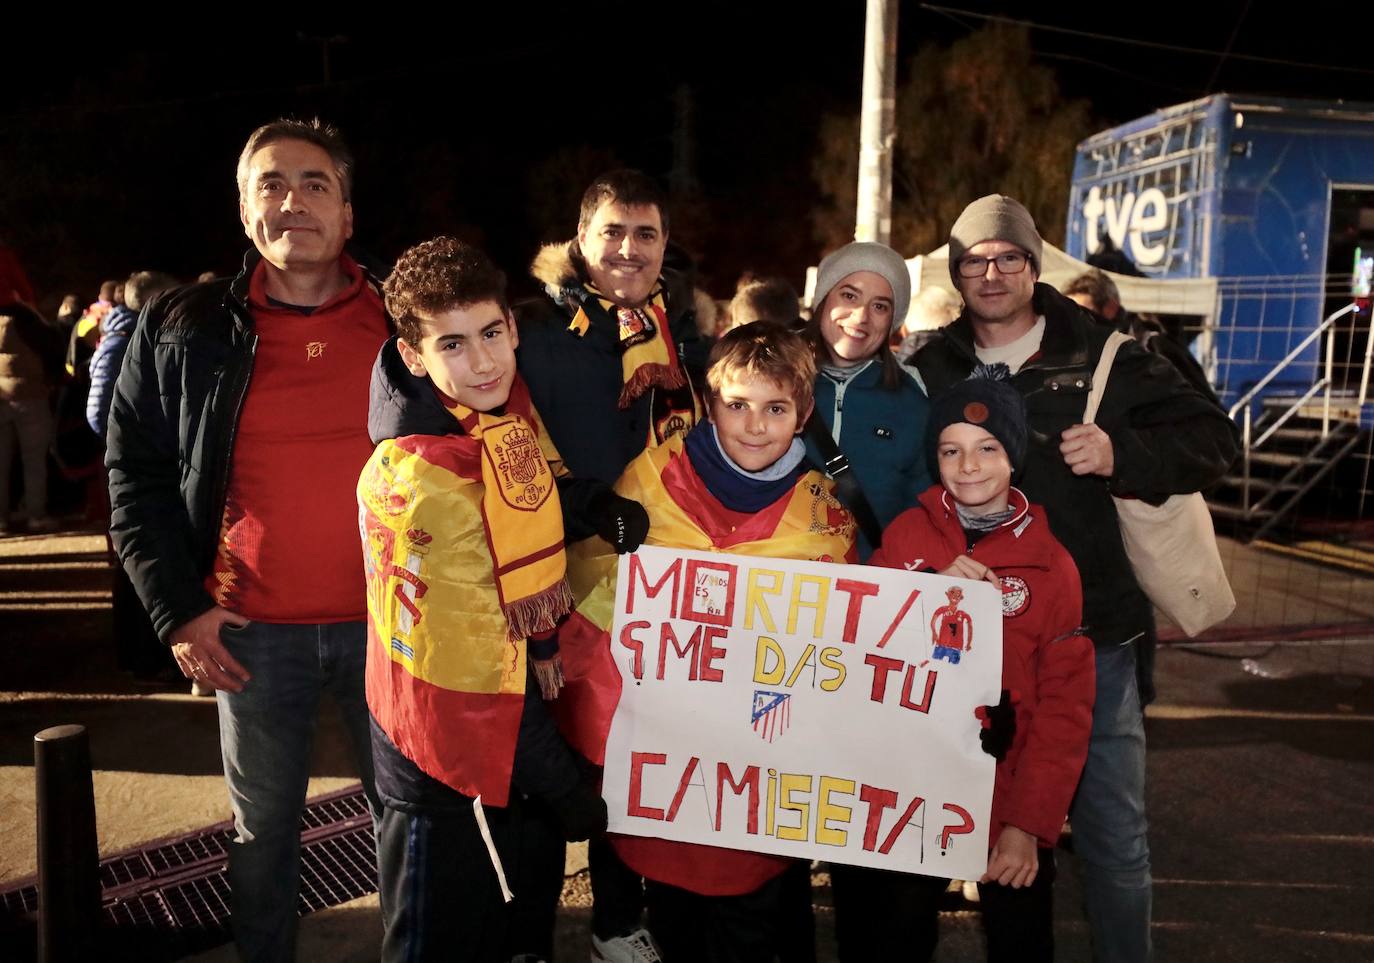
(636, 947)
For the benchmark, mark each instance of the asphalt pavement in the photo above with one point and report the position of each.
(1260, 794)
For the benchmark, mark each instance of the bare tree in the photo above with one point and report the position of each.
(972, 119)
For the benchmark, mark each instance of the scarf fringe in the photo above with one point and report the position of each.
(539, 612)
(549, 674)
(648, 376)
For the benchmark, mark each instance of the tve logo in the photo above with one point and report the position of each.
(1128, 219)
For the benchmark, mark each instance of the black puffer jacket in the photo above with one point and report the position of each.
(576, 381)
(401, 403)
(1167, 439)
(176, 407)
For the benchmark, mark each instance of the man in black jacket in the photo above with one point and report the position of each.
(237, 432)
(1154, 436)
(610, 354)
(611, 351)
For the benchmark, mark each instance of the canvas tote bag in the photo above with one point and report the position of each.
(1172, 547)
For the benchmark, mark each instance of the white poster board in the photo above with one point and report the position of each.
(802, 709)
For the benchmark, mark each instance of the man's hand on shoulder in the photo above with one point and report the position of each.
(202, 656)
(1087, 450)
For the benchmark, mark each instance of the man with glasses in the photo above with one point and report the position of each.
(1155, 436)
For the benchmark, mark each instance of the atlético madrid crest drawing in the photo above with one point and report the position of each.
(772, 713)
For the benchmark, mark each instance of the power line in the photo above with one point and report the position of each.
(1231, 42)
(1154, 81)
(955, 12)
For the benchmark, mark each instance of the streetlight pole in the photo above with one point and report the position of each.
(873, 220)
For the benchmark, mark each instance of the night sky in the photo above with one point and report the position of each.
(119, 143)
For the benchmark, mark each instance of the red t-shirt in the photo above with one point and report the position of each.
(288, 547)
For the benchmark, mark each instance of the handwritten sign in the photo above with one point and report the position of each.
(804, 709)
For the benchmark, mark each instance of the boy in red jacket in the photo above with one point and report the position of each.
(974, 524)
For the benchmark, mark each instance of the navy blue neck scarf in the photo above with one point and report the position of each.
(735, 488)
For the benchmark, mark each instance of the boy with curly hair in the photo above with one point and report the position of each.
(464, 508)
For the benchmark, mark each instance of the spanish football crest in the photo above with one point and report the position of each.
(828, 516)
(635, 326)
(672, 424)
(387, 490)
(525, 481)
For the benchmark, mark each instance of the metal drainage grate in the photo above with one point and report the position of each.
(171, 896)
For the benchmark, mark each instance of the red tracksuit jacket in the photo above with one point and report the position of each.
(1044, 661)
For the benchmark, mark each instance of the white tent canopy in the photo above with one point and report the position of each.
(1195, 296)
(1192, 296)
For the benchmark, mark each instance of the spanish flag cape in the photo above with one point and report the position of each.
(806, 523)
(447, 624)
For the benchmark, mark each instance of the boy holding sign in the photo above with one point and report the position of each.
(463, 510)
(738, 483)
(975, 525)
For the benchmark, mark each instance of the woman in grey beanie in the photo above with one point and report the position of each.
(870, 405)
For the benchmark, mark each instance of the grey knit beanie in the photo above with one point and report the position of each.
(994, 218)
(866, 256)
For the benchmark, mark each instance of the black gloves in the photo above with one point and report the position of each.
(999, 725)
(581, 812)
(620, 521)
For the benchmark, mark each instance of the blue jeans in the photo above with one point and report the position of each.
(1108, 816)
(265, 733)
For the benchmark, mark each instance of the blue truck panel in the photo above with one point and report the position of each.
(1236, 188)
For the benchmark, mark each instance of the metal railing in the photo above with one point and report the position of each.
(1244, 406)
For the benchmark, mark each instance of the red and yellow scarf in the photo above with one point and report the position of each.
(648, 360)
(521, 514)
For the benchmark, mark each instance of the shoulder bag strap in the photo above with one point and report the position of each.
(837, 466)
(1104, 366)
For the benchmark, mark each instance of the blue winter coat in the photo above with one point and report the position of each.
(883, 434)
(109, 355)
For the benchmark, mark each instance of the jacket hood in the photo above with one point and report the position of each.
(120, 320)
(557, 265)
(560, 269)
(400, 403)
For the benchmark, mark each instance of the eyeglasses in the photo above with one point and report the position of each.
(1013, 262)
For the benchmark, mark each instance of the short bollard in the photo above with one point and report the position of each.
(68, 858)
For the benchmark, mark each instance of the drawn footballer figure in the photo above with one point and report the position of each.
(951, 629)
